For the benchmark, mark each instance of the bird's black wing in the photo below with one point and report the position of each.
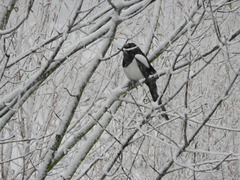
(144, 65)
(147, 70)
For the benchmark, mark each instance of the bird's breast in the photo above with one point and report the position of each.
(132, 71)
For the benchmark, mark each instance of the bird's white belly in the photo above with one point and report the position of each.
(133, 72)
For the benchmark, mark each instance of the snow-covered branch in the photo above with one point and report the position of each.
(68, 112)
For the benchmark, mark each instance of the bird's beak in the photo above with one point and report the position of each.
(120, 49)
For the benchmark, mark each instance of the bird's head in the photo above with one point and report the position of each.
(131, 48)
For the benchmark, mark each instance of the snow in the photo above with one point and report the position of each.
(94, 136)
(66, 107)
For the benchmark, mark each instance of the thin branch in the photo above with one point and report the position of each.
(8, 31)
(185, 122)
(166, 167)
(204, 170)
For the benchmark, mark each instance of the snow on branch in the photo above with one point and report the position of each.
(167, 165)
(68, 112)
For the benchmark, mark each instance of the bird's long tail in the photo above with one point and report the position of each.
(153, 90)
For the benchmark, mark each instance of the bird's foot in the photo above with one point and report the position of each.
(132, 84)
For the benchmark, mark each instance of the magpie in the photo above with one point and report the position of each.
(136, 66)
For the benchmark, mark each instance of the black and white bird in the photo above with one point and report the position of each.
(136, 66)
